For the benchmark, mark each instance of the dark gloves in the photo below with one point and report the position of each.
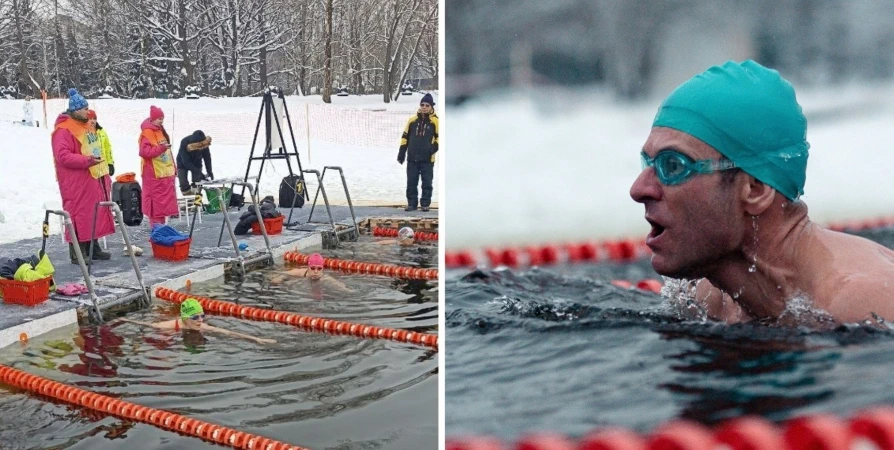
(400, 160)
(210, 176)
(111, 169)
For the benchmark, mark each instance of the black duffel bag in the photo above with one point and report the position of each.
(129, 198)
(291, 192)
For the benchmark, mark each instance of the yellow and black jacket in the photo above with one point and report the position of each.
(419, 142)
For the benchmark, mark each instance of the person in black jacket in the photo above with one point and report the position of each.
(268, 211)
(194, 149)
(418, 146)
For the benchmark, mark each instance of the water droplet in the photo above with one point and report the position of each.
(752, 269)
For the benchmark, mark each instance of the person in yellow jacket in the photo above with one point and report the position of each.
(418, 146)
(106, 145)
(159, 171)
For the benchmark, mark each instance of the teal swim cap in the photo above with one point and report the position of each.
(749, 114)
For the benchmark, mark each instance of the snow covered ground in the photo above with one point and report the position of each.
(556, 166)
(359, 133)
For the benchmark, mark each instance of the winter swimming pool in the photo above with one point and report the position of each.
(562, 349)
(308, 389)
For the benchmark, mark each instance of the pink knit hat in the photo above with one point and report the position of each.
(155, 113)
(315, 260)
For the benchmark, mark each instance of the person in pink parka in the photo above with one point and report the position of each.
(80, 172)
(159, 170)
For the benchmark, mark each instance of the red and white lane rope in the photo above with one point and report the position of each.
(137, 413)
(309, 323)
(872, 429)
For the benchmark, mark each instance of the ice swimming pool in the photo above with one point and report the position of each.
(308, 389)
(562, 349)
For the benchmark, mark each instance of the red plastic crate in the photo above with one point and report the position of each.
(177, 252)
(273, 226)
(27, 293)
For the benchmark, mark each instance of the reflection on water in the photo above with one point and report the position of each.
(310, 389)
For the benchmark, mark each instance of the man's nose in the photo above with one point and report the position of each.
(646, 186)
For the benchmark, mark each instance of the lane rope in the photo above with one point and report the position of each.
(393, 232)
(388, 270)
(138, 413)
(871, 429)
(308, 323)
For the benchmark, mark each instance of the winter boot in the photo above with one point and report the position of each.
(74, 257)
(98, 252)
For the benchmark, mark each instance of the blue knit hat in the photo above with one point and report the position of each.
(749, 114)
(76, 101)
(427, 98)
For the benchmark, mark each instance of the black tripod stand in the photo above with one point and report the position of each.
(271, 119)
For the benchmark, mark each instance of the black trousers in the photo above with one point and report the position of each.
(184, 181)
(415, 171)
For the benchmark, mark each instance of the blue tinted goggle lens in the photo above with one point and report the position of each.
(198, 316)
(673, 167)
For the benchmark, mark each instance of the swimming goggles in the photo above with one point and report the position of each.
(315, 268)
(673, 167)
(197, 317)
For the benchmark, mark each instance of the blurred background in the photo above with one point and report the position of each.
(550, 103)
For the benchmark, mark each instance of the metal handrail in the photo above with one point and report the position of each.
(133, 259)
(217, 185)
(320, 188)
(67, 223)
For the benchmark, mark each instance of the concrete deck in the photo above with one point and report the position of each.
(115, 281)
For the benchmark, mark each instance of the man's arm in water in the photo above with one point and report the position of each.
(718, 304)
(160, 325)
(210, 328)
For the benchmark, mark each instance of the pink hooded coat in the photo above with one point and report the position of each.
(159, 196)
(80, 191)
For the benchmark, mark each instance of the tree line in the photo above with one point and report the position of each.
(164, 48)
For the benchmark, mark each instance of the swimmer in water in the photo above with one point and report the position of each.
(405, 237)
(314, 272)
(723, 170)
(192, 317)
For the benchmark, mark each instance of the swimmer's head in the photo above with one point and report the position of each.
(192, 313)
(315, 266)
(405, 236)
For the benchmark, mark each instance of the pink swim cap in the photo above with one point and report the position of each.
(315, 260)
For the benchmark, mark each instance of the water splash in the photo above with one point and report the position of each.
(800, 311)
(681, 300)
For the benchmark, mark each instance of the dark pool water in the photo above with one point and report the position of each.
(314, 390)
(561, 349)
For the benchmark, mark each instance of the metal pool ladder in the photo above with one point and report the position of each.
(355, 230)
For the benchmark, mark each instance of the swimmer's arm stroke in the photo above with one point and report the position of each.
(213, 329)
(153, 325)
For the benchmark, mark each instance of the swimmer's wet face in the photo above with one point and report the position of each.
(194, 322)
(695, 224)
(315, 272)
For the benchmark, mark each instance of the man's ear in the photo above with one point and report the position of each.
(757, 196)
